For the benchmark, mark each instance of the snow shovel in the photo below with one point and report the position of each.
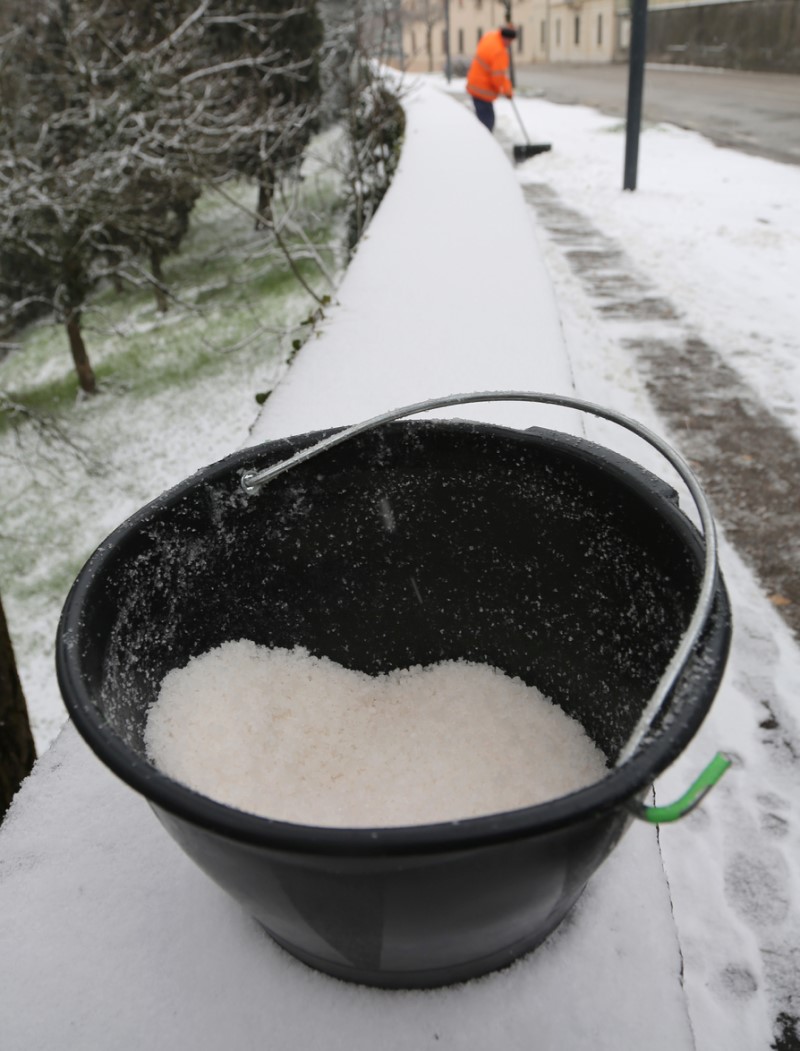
(530, 149)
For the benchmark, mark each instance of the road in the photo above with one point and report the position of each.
(757, 113)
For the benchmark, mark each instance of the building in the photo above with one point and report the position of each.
(739, 34)
(548, 30)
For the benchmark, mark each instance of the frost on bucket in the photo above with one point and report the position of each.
(423, 544)
(291, 736)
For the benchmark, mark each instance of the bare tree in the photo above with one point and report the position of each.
(114, 115)
(429, 14)
(363, 101)
(78, 197)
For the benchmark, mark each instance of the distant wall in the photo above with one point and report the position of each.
(748, 34)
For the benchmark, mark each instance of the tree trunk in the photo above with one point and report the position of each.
(266, 188)
(17, 750)
(79, 356)
(162, 303)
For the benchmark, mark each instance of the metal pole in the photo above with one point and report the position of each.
(448, 62)
(511, 74)
(547, 32)
(635, 90)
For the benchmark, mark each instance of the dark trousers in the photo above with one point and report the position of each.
(485, 112)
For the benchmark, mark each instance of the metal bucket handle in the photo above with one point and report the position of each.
(252, 481)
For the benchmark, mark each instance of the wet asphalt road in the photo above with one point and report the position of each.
(756, 113)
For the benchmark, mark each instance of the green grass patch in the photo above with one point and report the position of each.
(228, 287)
(51, 397)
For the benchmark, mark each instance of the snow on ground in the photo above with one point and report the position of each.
(718, 233)
(162, 413)
(716, 230)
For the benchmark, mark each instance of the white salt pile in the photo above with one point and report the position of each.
(299, 738)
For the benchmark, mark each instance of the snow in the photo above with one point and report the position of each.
(113, 938)
(110, 936)
(400, 349)
(717, 232)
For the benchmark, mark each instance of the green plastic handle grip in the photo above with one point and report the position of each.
(658, 815)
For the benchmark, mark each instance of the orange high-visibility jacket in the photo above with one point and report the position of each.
(488, 74)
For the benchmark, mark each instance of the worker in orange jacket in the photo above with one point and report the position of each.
(488, 74)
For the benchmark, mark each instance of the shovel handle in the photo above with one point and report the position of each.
(516, 111)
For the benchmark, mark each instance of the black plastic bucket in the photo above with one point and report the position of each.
(532, 551)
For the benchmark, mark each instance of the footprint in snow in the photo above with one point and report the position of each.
(759, 888)
(735, 982)
(774, 818)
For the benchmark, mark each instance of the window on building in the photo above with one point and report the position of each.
(577, 29)
(558, 32)
(461, 41)
(543, 34)
(480, 32)
(478, 4)
(444, 42)
(413, 42)
(599, 30)
(519, 40)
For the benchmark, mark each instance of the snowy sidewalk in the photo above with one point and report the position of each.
(111, 937)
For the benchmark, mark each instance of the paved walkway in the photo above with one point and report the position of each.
(747, 460)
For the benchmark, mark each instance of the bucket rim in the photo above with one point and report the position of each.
(625, 783)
